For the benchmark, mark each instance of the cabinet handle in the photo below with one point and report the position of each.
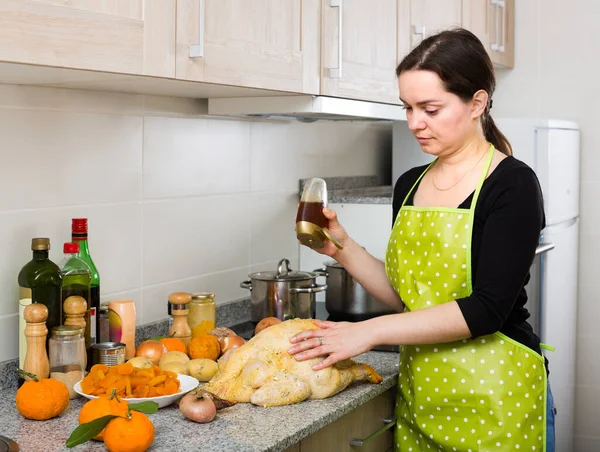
(544, 248)
(500, 9)
(420, 31)
(336, 72)
(197, 50)
(389, 423)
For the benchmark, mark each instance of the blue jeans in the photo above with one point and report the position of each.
(550, 422)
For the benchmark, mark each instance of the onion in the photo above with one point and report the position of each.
(231, 342)
(153, 350)
(221, 333)
(198, 409)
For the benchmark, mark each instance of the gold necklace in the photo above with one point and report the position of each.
(458, 181)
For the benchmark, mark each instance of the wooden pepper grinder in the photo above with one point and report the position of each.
(75, 308)
(179, 310)
(36, 357)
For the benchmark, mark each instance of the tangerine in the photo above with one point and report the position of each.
(42, 399)
(134, 433)
(173, 344)
(102, 406)
(205, 346)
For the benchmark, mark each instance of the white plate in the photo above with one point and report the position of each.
(186, 384)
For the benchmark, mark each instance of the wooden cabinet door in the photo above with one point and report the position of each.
(476, 18)
(357, 424)
(359, 50)
(271, 44)
(501, 17)
(428, 17)
(125, 36)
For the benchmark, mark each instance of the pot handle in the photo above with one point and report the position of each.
(321, 272)
(246, 285)
(313, 289)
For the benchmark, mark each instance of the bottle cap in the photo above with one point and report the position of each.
(71, 248)
(79, 225)
(40, 244)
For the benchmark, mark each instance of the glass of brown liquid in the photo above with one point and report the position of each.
(311, 223)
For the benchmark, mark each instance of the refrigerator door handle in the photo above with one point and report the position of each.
(544, 248)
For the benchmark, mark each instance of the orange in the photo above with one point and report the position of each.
(133, 434)
(173, 344)
(204, 327)
(102, 406)
(43, 399)
(205, 346)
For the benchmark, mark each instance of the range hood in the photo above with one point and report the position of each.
(306, 108)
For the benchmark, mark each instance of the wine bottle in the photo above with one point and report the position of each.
(77, 278)
(79, 234)
(40, 281)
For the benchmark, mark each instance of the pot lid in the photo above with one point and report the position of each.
(283, 273)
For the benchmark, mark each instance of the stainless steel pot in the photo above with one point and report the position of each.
(345, 296)
(284, 294)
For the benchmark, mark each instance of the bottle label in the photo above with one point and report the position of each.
(93, 314)
(24, 301)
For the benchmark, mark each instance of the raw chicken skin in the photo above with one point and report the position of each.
(262, 372)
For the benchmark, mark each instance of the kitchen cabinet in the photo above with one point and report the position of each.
(493, 21)
(428, 17)
(360, 50)
(270, 44)
(124, 36)
(357, 424)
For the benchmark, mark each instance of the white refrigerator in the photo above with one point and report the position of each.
(551, 148)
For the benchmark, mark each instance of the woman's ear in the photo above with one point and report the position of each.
(479, 103)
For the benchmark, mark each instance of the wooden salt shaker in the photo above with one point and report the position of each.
(179, 310)
(75, 308)
(36, 357)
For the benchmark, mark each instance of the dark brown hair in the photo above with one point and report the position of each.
(460, 60)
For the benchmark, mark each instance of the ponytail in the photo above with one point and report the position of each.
(493, 135)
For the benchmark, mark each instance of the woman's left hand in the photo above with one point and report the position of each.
(339, 340)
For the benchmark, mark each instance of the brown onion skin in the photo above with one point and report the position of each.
(197, 409)
(152, 350)
(266, 323)
(231, 342)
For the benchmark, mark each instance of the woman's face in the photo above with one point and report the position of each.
(441, 122)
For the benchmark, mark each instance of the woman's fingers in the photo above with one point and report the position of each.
(329, 361)
(304, 335)
(306, 345)
(324, 324)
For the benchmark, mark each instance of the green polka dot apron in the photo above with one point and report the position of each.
(483, 394)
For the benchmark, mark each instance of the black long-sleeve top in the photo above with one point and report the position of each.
(509, 217)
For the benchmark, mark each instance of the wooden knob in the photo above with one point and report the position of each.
(180, 298)
(35, 313)
(75, 305)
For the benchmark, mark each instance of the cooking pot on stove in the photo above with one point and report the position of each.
(284, 293)
(345, 296)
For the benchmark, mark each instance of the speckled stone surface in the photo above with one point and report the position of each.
(8, 374)
(241, 428)
(344, 183)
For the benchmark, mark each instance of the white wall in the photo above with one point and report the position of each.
(175, 201)
(556, 75)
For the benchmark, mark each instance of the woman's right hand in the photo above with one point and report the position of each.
(338, 232)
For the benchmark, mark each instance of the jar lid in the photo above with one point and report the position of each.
(203, 296)
(104, 307)
(283, 274)
(67, 330)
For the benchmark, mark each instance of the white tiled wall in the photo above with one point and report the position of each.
(175, 201)
(556, 76)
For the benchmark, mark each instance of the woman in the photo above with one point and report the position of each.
(472, 377)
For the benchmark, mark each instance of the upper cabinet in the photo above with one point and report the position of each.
(428, 17)
(125, 36)
(493, 21)
(271, 44)
(359, 49)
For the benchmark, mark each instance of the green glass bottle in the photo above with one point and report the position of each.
(77, 278)
(40, 281)
(79, 234)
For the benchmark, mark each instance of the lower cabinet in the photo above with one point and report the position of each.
(359, 424)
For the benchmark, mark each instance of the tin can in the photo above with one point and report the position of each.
(109, 353)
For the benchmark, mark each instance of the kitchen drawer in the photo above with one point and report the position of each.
(359, 423)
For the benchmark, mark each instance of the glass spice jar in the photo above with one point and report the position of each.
(203, 312)
(67, 355)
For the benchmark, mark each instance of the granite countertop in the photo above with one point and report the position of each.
(355, 190)
(240, 428)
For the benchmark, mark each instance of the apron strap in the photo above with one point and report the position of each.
(484, 174)
(417, 182)
(547, 347)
